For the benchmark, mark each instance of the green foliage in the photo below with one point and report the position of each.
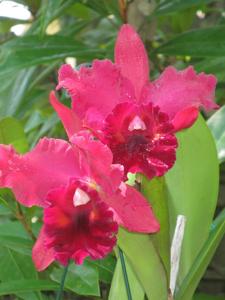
(197, 43)
(118, 290)
(82, 279)
(11, 132)
(145, 261)
(85, 30)
(193, 189)
(217, 125)
(199, 265)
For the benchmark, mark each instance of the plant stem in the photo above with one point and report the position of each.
(60, 292)
(20, 216)
(126, 281)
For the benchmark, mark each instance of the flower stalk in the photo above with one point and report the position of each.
(61, 288)
(126, 281)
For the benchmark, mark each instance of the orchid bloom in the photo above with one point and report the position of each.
(82, 195)
(136, 118)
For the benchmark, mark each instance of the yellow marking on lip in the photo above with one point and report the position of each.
(63, 220)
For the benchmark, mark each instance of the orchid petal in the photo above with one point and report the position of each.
(41, 255)
(70, 120)
(50, 164)
(133, 210)
(131, 56)
(97, 158)
(100, 87)
(180, 91)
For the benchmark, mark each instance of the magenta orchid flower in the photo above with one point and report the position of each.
(82, 194)
(136, 118)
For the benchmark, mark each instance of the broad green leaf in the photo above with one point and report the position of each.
(199, 42)
(80, 279)
(118, 288)
(144, 259)
(16, 244)
(11, 132)
(193, 189)
(201, 296)
(155, 192)
(190, 282)
(217, 125)
(172, 6)
(105, 267)
(16, 266)
(25, 286)
(27, 51)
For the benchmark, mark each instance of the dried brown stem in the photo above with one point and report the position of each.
(123, 10)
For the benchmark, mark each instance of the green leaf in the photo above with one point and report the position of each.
(14, 90)
(105, 267)
(155, 191)
(216, 124)
(17, 244)
(118, 288)
(198, 42)
(173, 6)
(215, 66)
(27, 51)
(193, 189)
(15, 266)
(144, 259)
(25, 286)
(80, 279)
(201, 296)
(190, 282)
(11, 132)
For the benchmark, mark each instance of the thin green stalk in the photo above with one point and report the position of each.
(60, 292)
(129, 296)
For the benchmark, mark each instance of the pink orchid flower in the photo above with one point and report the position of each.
(136, 118)
(82, 195)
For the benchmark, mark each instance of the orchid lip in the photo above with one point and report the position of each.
(80, 197)
(136, 124)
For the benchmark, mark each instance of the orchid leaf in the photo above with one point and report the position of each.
(105, 267)
(168, 6)
(217, 125)
(193, 189)
(11, 132)
(145, 261)
(155, 192)
(25, 286)
(199, 43)
(201, 296)
(81, 279)
(190, 282)
(118, 289)
(32, 50)
(16, 266)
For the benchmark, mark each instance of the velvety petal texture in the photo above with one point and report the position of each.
(99, 87)
(49, 165)
(42, 256)
(71, 122)
(178, 92)
(78, 224)
(131, 57)
(141, 139)
(132, 210)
